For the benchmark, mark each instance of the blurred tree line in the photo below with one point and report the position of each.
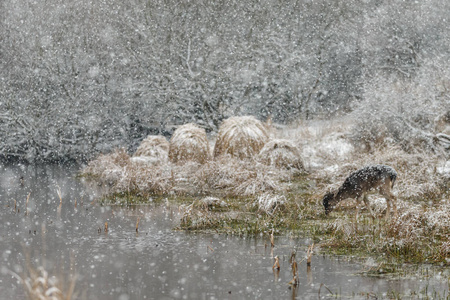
(80, 77)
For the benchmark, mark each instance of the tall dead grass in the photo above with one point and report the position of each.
(237, 177)
(39, 285)
(225, 176)
(108, 168)
(326, 150)
(282, 154)
(241, 137)
(154, 149)
(189, 143)
(189, 170)
(120, 174)
(419, 233)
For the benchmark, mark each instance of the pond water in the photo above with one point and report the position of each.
(158, 262)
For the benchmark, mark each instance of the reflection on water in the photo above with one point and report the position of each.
(157, 262)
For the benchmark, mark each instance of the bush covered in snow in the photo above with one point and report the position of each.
(410, 113)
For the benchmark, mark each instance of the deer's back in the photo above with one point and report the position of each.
(368, 178)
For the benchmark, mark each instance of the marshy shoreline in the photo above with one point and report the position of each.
(249, 197)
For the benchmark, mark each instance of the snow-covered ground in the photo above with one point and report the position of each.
(444, 169)
(321, 140)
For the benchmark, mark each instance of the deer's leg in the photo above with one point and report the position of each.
(390, 199)
(388, 207)
(366, 202)
(393, 199)
(358, 206)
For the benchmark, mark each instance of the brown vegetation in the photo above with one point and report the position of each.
(282, 154)
(418, 234)
(235, 177)
(418, 176)
(241, 137)
(39, 285)
(153, 149)
(108, 168)
(330, 159)
(189, 143)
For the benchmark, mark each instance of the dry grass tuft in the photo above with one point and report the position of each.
(143, 180)
(154, 149)
(108, 168)
(282, 154)
(269, 203)
(229, 176)
(189, 143)
(120, 174)
(235, 177)
(241, 137)
(40, 286)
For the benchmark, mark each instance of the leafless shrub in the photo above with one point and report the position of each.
(402, 113)
(154, 149)
(282, 154)
(241, 137)
(189, 143)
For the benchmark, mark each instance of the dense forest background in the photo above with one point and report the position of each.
(81, 77)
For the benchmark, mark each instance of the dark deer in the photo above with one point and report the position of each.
(359, 183)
